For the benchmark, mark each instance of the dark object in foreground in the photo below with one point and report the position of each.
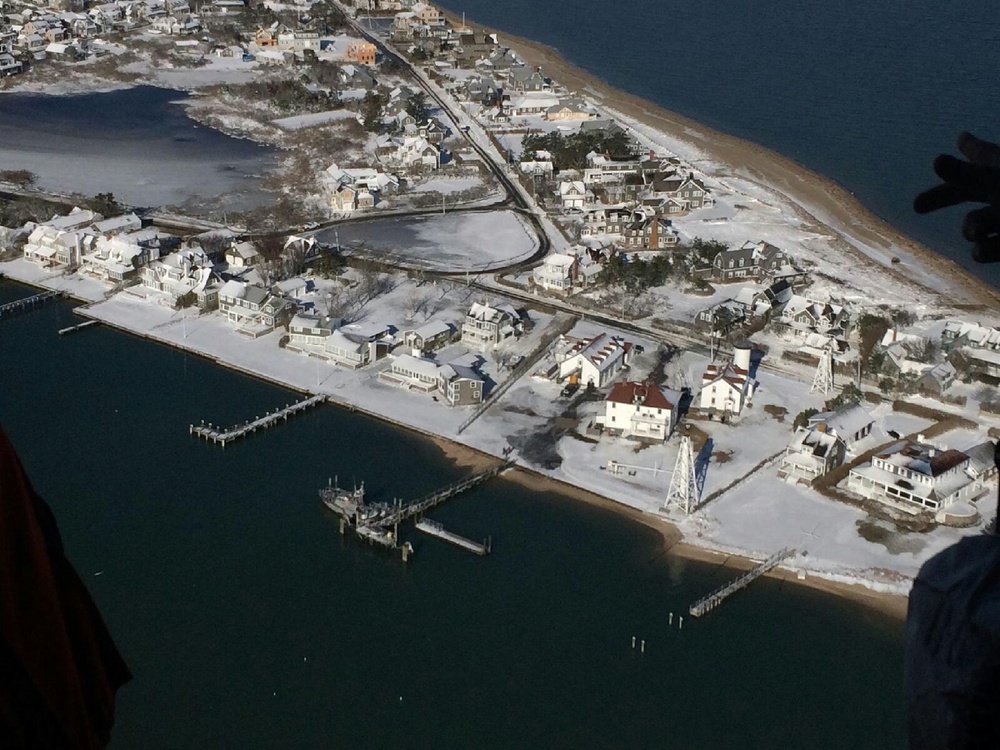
(974, 181)
(59, 668)
(952, 680)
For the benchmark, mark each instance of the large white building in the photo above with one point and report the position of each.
(918, 476)
(594, 361)
(184, 275)
(644, 411)
(560, 272)
(727, 388)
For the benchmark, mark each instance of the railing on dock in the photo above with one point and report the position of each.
(223, 436)
(713, 600)
(28, 303)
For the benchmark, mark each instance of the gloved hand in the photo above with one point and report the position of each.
(976, 180)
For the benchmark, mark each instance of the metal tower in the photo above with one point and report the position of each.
(683, 492)
(823, 379)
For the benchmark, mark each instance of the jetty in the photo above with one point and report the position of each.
(378, 523)
(28, 303)
(713, 600)
(78, 327)
(221, 436)
(437, 497)
(436, 529)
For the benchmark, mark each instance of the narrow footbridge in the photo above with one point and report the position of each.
(714, 599)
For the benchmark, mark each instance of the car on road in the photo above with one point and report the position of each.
(311, 225)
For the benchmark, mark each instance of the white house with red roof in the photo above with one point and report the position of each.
(596, 360)
(641, 410)
(727, 388)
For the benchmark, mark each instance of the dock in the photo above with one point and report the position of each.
(713, 600)
(78, 327)
(28, 303)
(439, 496)
(378, 523)
(436, 529)
(221, 436)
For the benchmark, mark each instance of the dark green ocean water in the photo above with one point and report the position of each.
(248, 622)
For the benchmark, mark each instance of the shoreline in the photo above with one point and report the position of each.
(808, 191)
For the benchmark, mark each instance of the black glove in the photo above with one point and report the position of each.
(976, 180)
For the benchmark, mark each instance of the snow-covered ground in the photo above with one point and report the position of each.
(298, 122)
(753, 516)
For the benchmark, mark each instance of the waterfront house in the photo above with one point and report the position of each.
(640, 410)
(488, 325)
(727, 388)
(253, 309)
(593, 362)
(357, 345)
(915, 476)
(183, 278)
(430, 336)
(460, 384)
(526, 79)
(119, 257)
(61, 240)
(308, 332)
(571, 109)
(412, 372)
(750, 261)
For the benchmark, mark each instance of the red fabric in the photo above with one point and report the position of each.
(59, 668)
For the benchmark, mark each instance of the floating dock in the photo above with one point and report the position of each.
(436, 529)
(710, 602)
(28, 303)
(223, 436)
(78, 327)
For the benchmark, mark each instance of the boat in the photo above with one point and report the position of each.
(343, 501)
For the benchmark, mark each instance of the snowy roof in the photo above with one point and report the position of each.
(922, 458)
(419, 365)
(812, 442)
(844, 423)
(244, 250)
(431, 329)
(560, 260)
(365, 331)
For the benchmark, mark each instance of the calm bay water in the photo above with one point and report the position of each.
(250, 623)
(865, 93)
(136, 143)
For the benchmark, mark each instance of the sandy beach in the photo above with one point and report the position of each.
(846, 217)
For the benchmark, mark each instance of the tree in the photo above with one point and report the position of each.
(105, 204)
(927, 351)
(416, 106)
(20, 177)
(871, 329)
(371, 110)
(802, 418)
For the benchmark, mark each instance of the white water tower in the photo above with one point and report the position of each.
(741, 356)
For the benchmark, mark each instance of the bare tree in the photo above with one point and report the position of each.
(415, 300)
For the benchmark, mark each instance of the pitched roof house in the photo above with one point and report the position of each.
(727, 388)
(592, 361)
(488, 325)
(641, 410)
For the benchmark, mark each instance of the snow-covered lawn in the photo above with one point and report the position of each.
(317, 118)
(75, 284)
(447, 185)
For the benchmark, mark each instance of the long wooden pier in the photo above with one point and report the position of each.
(223, 436)
(78, 327)
(439, 496)
(436, 529)
(28, 303)
(713, 600)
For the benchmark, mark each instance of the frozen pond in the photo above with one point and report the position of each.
(448, 242)
(136, 143)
